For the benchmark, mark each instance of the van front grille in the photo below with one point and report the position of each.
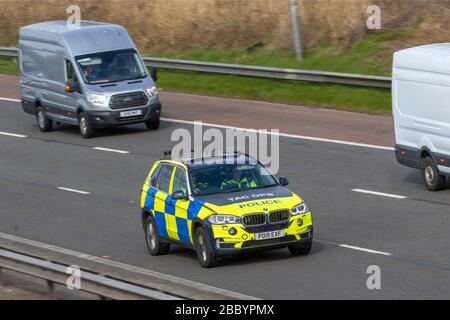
(278, 216)
(128, 100)
(254, 219)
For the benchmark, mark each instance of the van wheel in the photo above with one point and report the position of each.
(430, 173)
(203, 248)
(154, 245)
(85, 126)
(44, 123)
(152, 125)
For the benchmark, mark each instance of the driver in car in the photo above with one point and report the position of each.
(237, 181)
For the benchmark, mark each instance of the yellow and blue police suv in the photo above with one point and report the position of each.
(219, 208)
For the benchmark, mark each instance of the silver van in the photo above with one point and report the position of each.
(91, 76)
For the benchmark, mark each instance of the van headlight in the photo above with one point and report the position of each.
(152, 92)
(223, 219)
(299, 209)
(99, 100)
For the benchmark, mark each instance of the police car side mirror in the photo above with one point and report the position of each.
(283, 181)
(179, 195)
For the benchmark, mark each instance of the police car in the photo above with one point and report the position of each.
(221, 205)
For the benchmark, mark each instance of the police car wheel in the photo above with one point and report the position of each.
(152, 125)
(154, 245)
(44, 123)
(85, 126)
(203, 248)
(430, 173)
(297, 250)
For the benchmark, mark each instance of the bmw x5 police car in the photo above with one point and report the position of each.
(219, 208)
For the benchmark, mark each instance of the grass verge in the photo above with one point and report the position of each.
(370, 100)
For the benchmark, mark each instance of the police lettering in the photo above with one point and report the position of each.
(259, 203)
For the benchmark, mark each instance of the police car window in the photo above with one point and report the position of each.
(164, 178)
(179, 181)
(154, 179)
(230, 178)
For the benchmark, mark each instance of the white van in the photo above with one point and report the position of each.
(91, 76)
(421, 110)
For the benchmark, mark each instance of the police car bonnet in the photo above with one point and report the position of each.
(246, 195)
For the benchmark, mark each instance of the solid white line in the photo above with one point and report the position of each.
(389, 195)
(73, 190)
(111, 150)
(365, 250)
(10, 99)
(287, 135)
(13, 134)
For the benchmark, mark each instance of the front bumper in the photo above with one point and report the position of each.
(244, 239)
(101, 119)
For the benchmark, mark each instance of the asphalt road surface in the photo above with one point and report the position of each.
(404, 230)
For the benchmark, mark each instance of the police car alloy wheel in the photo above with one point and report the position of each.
(44, 123)
(203, 249)
(154, 245)
(432, 179)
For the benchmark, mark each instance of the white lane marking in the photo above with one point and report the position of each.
(389, 195)
(111, 150)
(364, 249)
(13, 134)
(287, 135)
(73, 190)
(10, 99)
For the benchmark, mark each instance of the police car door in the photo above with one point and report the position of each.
(162, 198)
(180, 223)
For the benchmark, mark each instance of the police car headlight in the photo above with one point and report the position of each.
(223, 219)
(152, 92)
(299, 209)
(99, 100)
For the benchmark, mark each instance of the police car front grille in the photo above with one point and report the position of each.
(278, 216)
(254, 219)
(128, 100)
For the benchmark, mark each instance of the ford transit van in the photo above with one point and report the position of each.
(91, 76)
(421, 110)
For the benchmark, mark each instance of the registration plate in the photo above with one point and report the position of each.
(269, 235)
(131, 113)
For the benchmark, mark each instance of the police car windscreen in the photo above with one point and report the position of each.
(228, 178)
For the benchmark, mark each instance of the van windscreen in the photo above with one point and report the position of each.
(111, 66)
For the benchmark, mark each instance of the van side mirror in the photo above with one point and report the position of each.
(71, 86)
(178, 195)
(284, 181)
(154, 74)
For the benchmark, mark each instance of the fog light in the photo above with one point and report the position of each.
(299, 222)
(232, 231)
